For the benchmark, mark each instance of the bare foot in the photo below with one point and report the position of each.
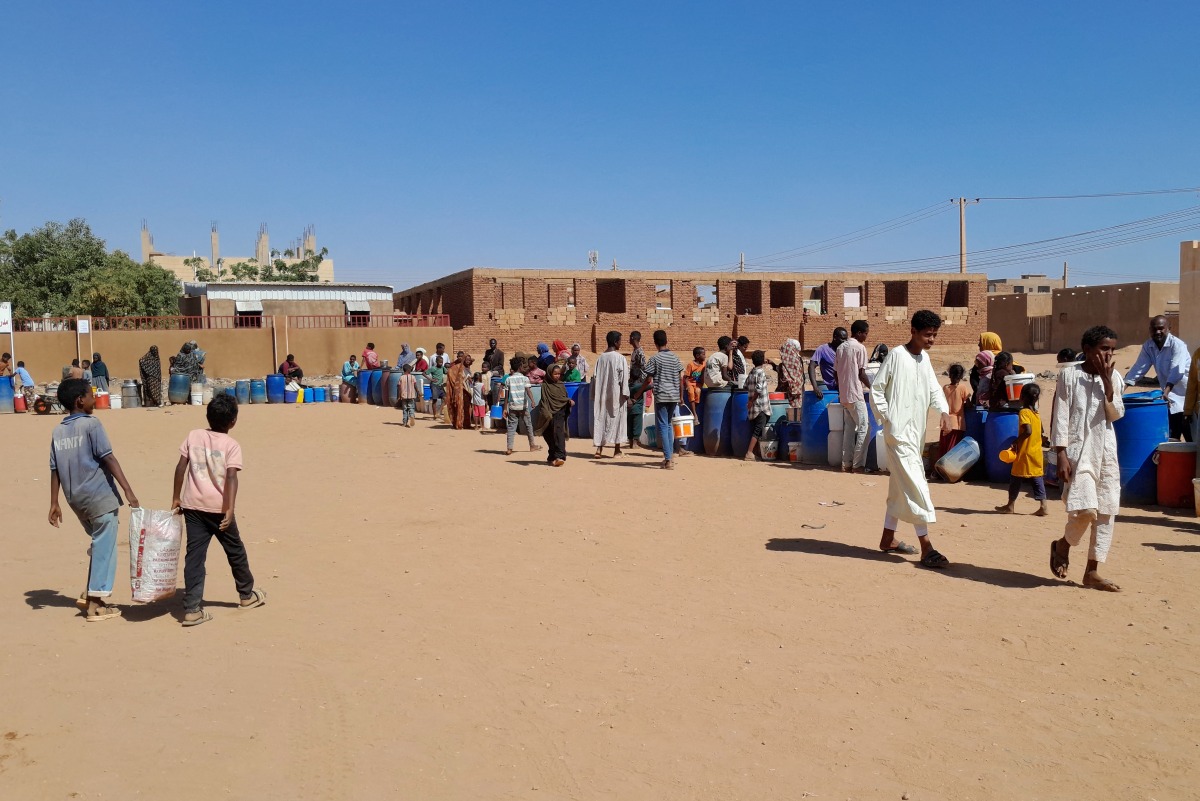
(1041, 512)
(1006, 509)
(508, 453)
(1095, 581)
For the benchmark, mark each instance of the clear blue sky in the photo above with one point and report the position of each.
(424, 138)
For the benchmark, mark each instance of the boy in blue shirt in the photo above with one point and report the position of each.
(83, 465)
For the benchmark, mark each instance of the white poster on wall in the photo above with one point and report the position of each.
(84, 326)
(5, 318)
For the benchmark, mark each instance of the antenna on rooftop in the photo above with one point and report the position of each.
(741, 262)
(593, 258)
(614, 264)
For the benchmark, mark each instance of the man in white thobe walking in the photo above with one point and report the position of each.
(610, 397)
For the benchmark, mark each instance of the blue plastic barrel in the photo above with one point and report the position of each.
(1139, 433)
(573, 388)
(289, 396)
(374, 386)
(814, 427)
(179, 389)
(319, 395)
(308, 395)
(6, 395)
(242, 391)
(364, 385)
(584, 403)
(231, 392)
(258, 390)
(999, 433)
(787, 432)
(392, 396)
(428, 392)
(275, 385)
(739, 426)
(717, 422)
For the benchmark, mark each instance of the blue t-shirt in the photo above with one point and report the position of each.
(77, 446)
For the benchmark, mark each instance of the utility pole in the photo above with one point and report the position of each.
(614, 265)
(962, 232)
(593, 258)
(1065, 284)
(741, 262)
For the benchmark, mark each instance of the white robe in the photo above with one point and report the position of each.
(903, 392)
(610, 400)
(1082, 422)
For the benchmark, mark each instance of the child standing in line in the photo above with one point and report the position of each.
(205, 490)
(1028, 464)
(957, 392)
(571, 372)
(407, 390)
(479, 407)
(759, 402)
(517, 404)
(83, 465)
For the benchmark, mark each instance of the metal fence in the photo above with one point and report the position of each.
(180, 323)
(369, 321)
(44, 324)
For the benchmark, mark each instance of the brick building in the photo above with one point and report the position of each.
(523, 307)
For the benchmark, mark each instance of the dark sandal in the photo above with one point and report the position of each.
(935, 560)
(1058, 564)
(903, 547)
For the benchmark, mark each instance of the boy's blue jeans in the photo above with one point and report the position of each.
(663, 412)
(102, 567)
(410, 407)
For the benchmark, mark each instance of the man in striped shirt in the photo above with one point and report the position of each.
(662, 374)
(758, 403)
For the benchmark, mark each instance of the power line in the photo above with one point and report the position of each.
(1184, 190)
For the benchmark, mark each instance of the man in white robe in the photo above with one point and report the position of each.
(610, 397)
(903, 392)
(1085, 408)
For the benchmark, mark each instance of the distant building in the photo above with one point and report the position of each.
(262, 254)
(1025, 285)
(249, 302)
(521, 308)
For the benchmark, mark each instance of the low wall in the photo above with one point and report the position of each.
(231, 353)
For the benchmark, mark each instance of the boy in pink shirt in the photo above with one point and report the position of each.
(206, 483)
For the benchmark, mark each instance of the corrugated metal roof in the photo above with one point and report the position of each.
(275, 291)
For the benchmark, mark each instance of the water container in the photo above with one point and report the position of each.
(958, 460)
(374, 386)
(833, 448)
(231, 392)
(769, 444)
(320, 394)
(695, 443)
(1139, 433)
(335, 394)
(178, 388)
(718, 422)
(242, 391)
(1176, 470)
(584, 402)
(739, 426)
(392, 394)
(275, 385)
(497, 390)
(975, 423)
(788, 432)
(309, 395)
(531, 403)
(196, 393)
(364, 385)
(6, 395)
(837, 416)
(258, 390)
(999, 433)
(114, 402)
(289, 396)
(649, 438)
(428, 393)
(131, 395)
(814, 426)
(779, 408)
(1013, 384)
(683, 425)
(573, 388)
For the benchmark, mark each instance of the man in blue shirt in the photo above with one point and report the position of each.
(26, 385)
(824, 358)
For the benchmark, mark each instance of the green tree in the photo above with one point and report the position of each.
(124, 288)
(301, 271)
(39, 270)
(245, 270)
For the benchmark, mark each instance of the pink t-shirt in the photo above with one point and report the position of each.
(209, 455)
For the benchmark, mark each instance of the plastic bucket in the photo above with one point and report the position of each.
(794, 451)
(197, 393)
(770, 449)
(114, 401)
(19, 403)
(1015, 382)
(958, 460)
(1176, 470)
(683, 425)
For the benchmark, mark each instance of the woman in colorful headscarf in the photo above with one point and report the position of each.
(406, 356)
(990, 341)
(561, 351)
(981, 377)
(150, 371)
(791, 372)
(458, 393)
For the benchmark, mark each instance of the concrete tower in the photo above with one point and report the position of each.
(262, 246)
(215, 239)
(147, 242)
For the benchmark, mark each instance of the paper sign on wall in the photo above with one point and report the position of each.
(5, 318)
(84, 326)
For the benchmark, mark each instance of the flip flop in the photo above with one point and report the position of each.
(257, 598)
(903, 547)
(205, 616)
(935, 560)
(103, 613)
(1057, 562)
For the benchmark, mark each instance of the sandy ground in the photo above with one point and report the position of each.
(448, 623)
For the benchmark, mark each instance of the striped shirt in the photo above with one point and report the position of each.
(760, 401)
(664, 367)
(518, 389)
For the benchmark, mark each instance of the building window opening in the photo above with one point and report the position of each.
(853, 297)
(662, 295)
(706, 296)
(610, 296)
(783, 294)
(956, 294)
(749, 297)
(814, 298)
(895, 293)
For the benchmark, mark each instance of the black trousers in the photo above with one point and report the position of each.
(1014, 487)
(201, 528)
(556, 436)
(1179, 427)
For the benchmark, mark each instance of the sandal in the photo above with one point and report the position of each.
(205, 616)
(935, 560)
(257, 598)
(102, 613)
(1058, 564)
(903, 547)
